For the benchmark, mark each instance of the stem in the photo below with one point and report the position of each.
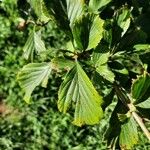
(141, 124)
(127, 102)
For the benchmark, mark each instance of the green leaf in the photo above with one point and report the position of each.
(100, 58)
(74, 9)
(145, 104)
(62, 63)
(96, 5)
(34, 43)
(33, 75)
(40, 11)
(142, 48)
(57, 10)
(100, 55)
(140, 88)
(87, 32)
(123, 19)
(64, 12)
(124, 117)
(105, 72)
(129, 134)
(77, 90)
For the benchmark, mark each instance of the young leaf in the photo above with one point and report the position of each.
(34, 43)
(77, 88)
(87, 31)
(129, 134)
(33, 75)
(145, 104)
(96, 5)
(140, 88)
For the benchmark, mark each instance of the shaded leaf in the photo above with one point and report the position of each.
(141, 87)
(123, 19)
(77, 89)
(57, 10)
(33, 75)
(129, 134)
(100, 58)
(87, 32)
(62, 63)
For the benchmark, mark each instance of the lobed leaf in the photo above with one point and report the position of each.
(77, 89)
(33, 75)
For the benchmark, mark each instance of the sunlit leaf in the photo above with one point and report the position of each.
(123, 19)
(33, 75)
(145, 104)
(74, 9)
(39, 8)
(105, 72)
(96, 5)
(78, 91)
(33, 44)
(129, 134)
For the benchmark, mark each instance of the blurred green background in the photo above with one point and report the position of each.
(38, 126)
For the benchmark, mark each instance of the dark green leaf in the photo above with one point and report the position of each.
(140, 88)
(87, 32)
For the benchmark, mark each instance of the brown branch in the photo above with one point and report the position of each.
(141, 124)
